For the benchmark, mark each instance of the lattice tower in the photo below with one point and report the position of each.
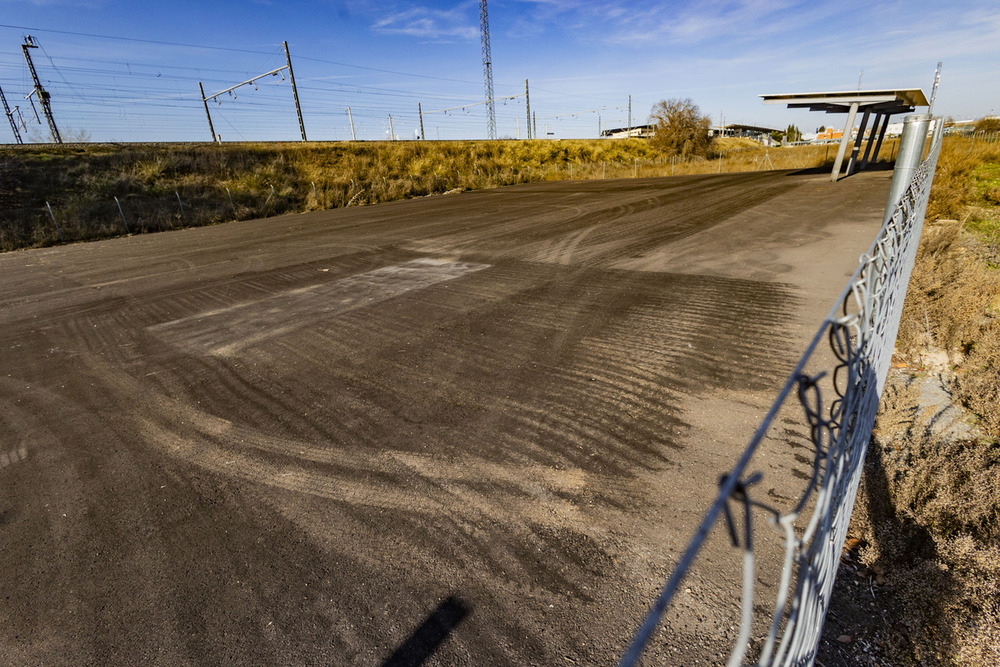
(484, 24)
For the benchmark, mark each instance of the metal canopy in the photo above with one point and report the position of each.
(879, 101)
(882, 103)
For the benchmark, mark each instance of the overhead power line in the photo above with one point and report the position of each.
(135, 39)
(225, 48)
(476, 104)
(109, 97)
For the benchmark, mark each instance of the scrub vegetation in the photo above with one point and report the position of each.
(166, 186)
(929, 513)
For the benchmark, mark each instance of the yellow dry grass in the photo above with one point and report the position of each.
(238, 181)
(930, 507)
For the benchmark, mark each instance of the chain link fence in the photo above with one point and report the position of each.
(827, 407)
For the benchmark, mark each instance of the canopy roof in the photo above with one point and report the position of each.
(876, 101)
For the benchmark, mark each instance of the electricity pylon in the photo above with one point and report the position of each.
(484, 26)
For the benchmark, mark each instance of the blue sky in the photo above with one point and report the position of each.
(129, 71)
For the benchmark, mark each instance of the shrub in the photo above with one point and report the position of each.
(681, 129)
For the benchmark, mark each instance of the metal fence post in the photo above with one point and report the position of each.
(911, 152)
(268, 200)
(124, 221)
(56, 224)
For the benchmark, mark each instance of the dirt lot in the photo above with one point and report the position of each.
(475, 427)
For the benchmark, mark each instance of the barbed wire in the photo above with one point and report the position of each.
(839, 404)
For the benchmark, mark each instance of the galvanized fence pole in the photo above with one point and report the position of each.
(911, 152)
(54, 223)
(231, 204)
(120, 211)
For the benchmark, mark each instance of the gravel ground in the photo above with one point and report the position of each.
(472, 429)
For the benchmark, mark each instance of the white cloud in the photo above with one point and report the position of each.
(430, 24)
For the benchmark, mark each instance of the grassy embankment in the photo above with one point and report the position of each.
(81, 181)
(930, 507)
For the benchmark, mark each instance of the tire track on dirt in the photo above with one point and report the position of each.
(517, 437)
(597, 235)
(78, 542)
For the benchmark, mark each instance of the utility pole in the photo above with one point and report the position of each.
(629, 133)
(392, 133)
(43, 95)
(253, 82)
(937, 80)
(527, 111)
(10, 117)
(534, 126)
(295, 91)
(211, 128)
(484, 26)
(351, 118)
(420, 112)
(598, 126)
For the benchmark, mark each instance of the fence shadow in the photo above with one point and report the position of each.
(908, 551)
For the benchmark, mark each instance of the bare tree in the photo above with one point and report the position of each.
(680, 127)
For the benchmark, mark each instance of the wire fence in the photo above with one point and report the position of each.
(987, 137)
(829, 402)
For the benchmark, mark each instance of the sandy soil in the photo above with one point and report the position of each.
(475, 428)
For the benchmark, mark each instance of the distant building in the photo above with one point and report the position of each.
(961, 127)
(761, 134)
(635, 132)
(829, 134)
(967, 127)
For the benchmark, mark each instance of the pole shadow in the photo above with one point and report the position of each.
(426, 639)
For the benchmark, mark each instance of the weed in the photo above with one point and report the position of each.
(81, 182)
(930, 510)
(930, 517)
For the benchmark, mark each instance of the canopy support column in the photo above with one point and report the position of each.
(881, 136)
(842, 151)
(852, 164)
(871, 141)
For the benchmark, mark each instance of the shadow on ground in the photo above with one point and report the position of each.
(426, 639)
(870, 620)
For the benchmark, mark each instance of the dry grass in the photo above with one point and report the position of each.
(81, 181)
(930, 507)
(235, 181)
(953, 302)
(930, 515)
